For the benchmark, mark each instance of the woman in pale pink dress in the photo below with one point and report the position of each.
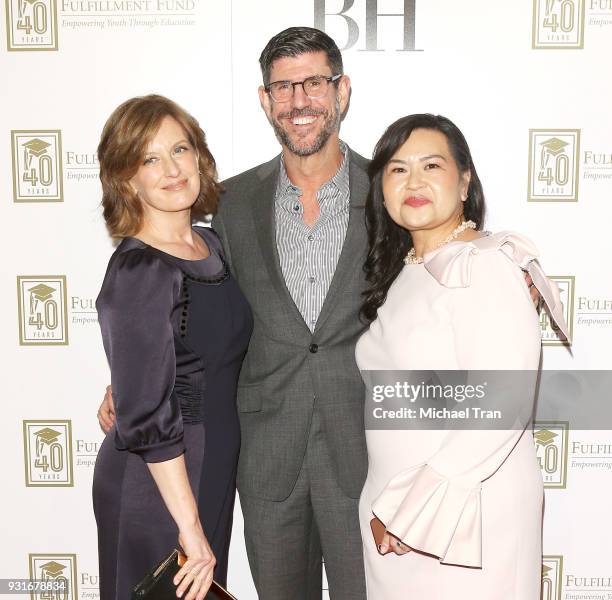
(462, 510)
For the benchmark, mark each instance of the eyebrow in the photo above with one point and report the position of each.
(422, 159)
(182, 141)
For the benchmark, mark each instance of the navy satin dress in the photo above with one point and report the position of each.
(175, 333)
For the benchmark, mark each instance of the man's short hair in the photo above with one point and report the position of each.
(300, 40)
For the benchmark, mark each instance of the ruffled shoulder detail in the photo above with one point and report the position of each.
(434, 514)
(452, 266)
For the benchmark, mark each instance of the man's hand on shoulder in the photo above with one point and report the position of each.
(106, 412)
(533, 292)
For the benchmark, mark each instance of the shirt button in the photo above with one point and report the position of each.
(313, 348)
(296, 208)
(310, 237)
(312, 279)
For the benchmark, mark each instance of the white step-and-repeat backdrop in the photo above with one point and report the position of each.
(528, 81)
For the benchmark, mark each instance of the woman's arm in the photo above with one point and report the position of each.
(135, 311)
(435, 507)
(171, 479)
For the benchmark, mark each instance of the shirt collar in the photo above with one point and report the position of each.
(339, 180)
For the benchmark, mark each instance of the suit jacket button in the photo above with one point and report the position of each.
(313, 348)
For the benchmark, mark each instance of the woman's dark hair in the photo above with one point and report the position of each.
(388, 242)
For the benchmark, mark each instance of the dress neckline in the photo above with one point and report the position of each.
(429, 255)
(188, 260)
(199, 269)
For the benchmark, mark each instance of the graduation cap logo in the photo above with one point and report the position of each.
(42, 291)
(47, 435)
(554, 145)
(544, 437)
(52, 569)
(36, 146)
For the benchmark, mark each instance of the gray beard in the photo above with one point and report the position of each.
(330, 126)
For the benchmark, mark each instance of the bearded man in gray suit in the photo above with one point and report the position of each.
(293, 232)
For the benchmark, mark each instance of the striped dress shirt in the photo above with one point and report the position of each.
(309, 255)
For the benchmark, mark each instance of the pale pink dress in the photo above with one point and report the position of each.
(471, 500)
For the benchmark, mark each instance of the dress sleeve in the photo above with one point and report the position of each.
(135, 309)
(435, 507)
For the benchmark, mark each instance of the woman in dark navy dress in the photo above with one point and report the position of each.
(175, 328)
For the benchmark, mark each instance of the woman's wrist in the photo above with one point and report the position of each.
(189, 523)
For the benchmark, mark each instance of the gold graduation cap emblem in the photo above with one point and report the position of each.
(554, 145)
(545, 570)
(36, 146)
(544, 437)
(48, 435)
(41, 291)
(52, 568)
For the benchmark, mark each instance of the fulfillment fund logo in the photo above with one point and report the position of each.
(553, 165)
(552, 575)
(558, 24)
(58, 572)
(551, 440)
(551, 335)
(42, 310)
(37, 166)
(48, 453)
(31, 25)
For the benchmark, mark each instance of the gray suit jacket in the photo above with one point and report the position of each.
(287, 368)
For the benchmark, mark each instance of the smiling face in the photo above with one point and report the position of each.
(303, 125)
(168, 178)
(422, 186)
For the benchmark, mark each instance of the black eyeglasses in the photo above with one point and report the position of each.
(314, 87)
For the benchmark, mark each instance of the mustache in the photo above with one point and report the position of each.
(302, 112)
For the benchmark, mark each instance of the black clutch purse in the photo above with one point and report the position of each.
(158, 584)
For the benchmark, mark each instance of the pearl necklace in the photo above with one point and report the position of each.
(413, 259)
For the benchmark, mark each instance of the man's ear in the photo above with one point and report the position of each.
(343, 92)
(265, 101)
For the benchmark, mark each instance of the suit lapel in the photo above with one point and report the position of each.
(265, 226)
(354, 242)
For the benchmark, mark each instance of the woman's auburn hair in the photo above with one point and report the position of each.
(123, 145)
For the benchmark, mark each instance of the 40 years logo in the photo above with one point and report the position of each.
(31, 25)
(37, 165)
(551, 334)
(552, 575)
(553, 165)
(48, 453)
(58, 572)
(558, 24)
(42, 310)
(551, 440)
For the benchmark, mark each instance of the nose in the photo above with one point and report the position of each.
(413, 179)
(300, 99)
(171, 167)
